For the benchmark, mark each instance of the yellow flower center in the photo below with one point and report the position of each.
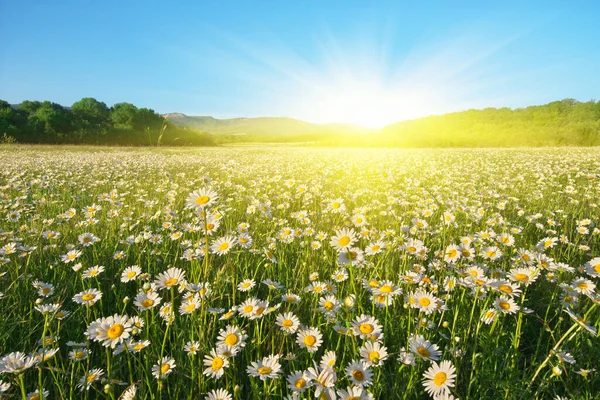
(386, 289)
(90, 378)
(231, 339)
(115, 331)
(300, 383)
(440, 378)
(366, 328)
(310, 340)
(344, 240)
(165, 368)
(505, 289)
(521, 277)
(287, 323)
(190, 307)
(264, 370)
(358, 375)
(217, 363)
(423, 352)
(201, 200)
(223, 246)
(424, 301)
(504, 305)
(374, 356)
(171, 282)
(328, 305)
(88, 297)
(147, 303)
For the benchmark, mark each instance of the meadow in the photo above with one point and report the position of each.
(296, 273)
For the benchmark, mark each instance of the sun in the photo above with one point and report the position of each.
(369, 104)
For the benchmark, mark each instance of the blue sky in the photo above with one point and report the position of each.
(367, 62)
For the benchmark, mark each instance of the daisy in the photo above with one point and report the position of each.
(16, 362)
(246, 285)
(525, 276)
(216, 364)
(191, 347)
(130, 273)
(173, 277)
(110, 331)
(439, 378)
(288, 322)
(201, 199)
(328, 360)
(219, 394)
(93, 271)
(268, 367)
(374, 248)
(328, 305)
(359, 373)
(387, 288)
(87, 239)
(88, 297)
(190, 305)
(92, 376)
(70, 256)
(424, 301)
(424, 348)
(146, 301)
(36, 395)
(79, 354)
(290, 298)
(366, 326)
(373, 353)
(163, 368)
(298, 382)
(323, 379)
(343, 239)
(129, 393)
(223, 245)
(232, 336)
(583, 286)
(452, 254)
(309, 338)
(248, 307)
(506, 305)
(354, 393)
(489, 316)
(593, 267)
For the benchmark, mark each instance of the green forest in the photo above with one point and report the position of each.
(89, 121)
(560, 123)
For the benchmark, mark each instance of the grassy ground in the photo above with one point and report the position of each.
(484, 262)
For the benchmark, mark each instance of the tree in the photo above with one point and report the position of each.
(90, 119)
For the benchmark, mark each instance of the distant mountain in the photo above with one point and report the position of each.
(262, 127)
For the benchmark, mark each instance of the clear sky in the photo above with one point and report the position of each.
(367, 62)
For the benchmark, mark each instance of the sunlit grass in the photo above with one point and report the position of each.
(406, 210)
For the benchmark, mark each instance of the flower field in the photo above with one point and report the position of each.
(294, 273)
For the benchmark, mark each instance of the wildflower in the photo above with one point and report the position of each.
(163, 368)
(268, 367)
(439, 378)
(216, 364)
(309, 338)
(424, 348)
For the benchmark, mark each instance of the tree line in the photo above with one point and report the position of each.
(89, 121)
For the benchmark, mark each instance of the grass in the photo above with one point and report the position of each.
(291, 202)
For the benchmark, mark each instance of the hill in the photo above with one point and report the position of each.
(264, 129)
